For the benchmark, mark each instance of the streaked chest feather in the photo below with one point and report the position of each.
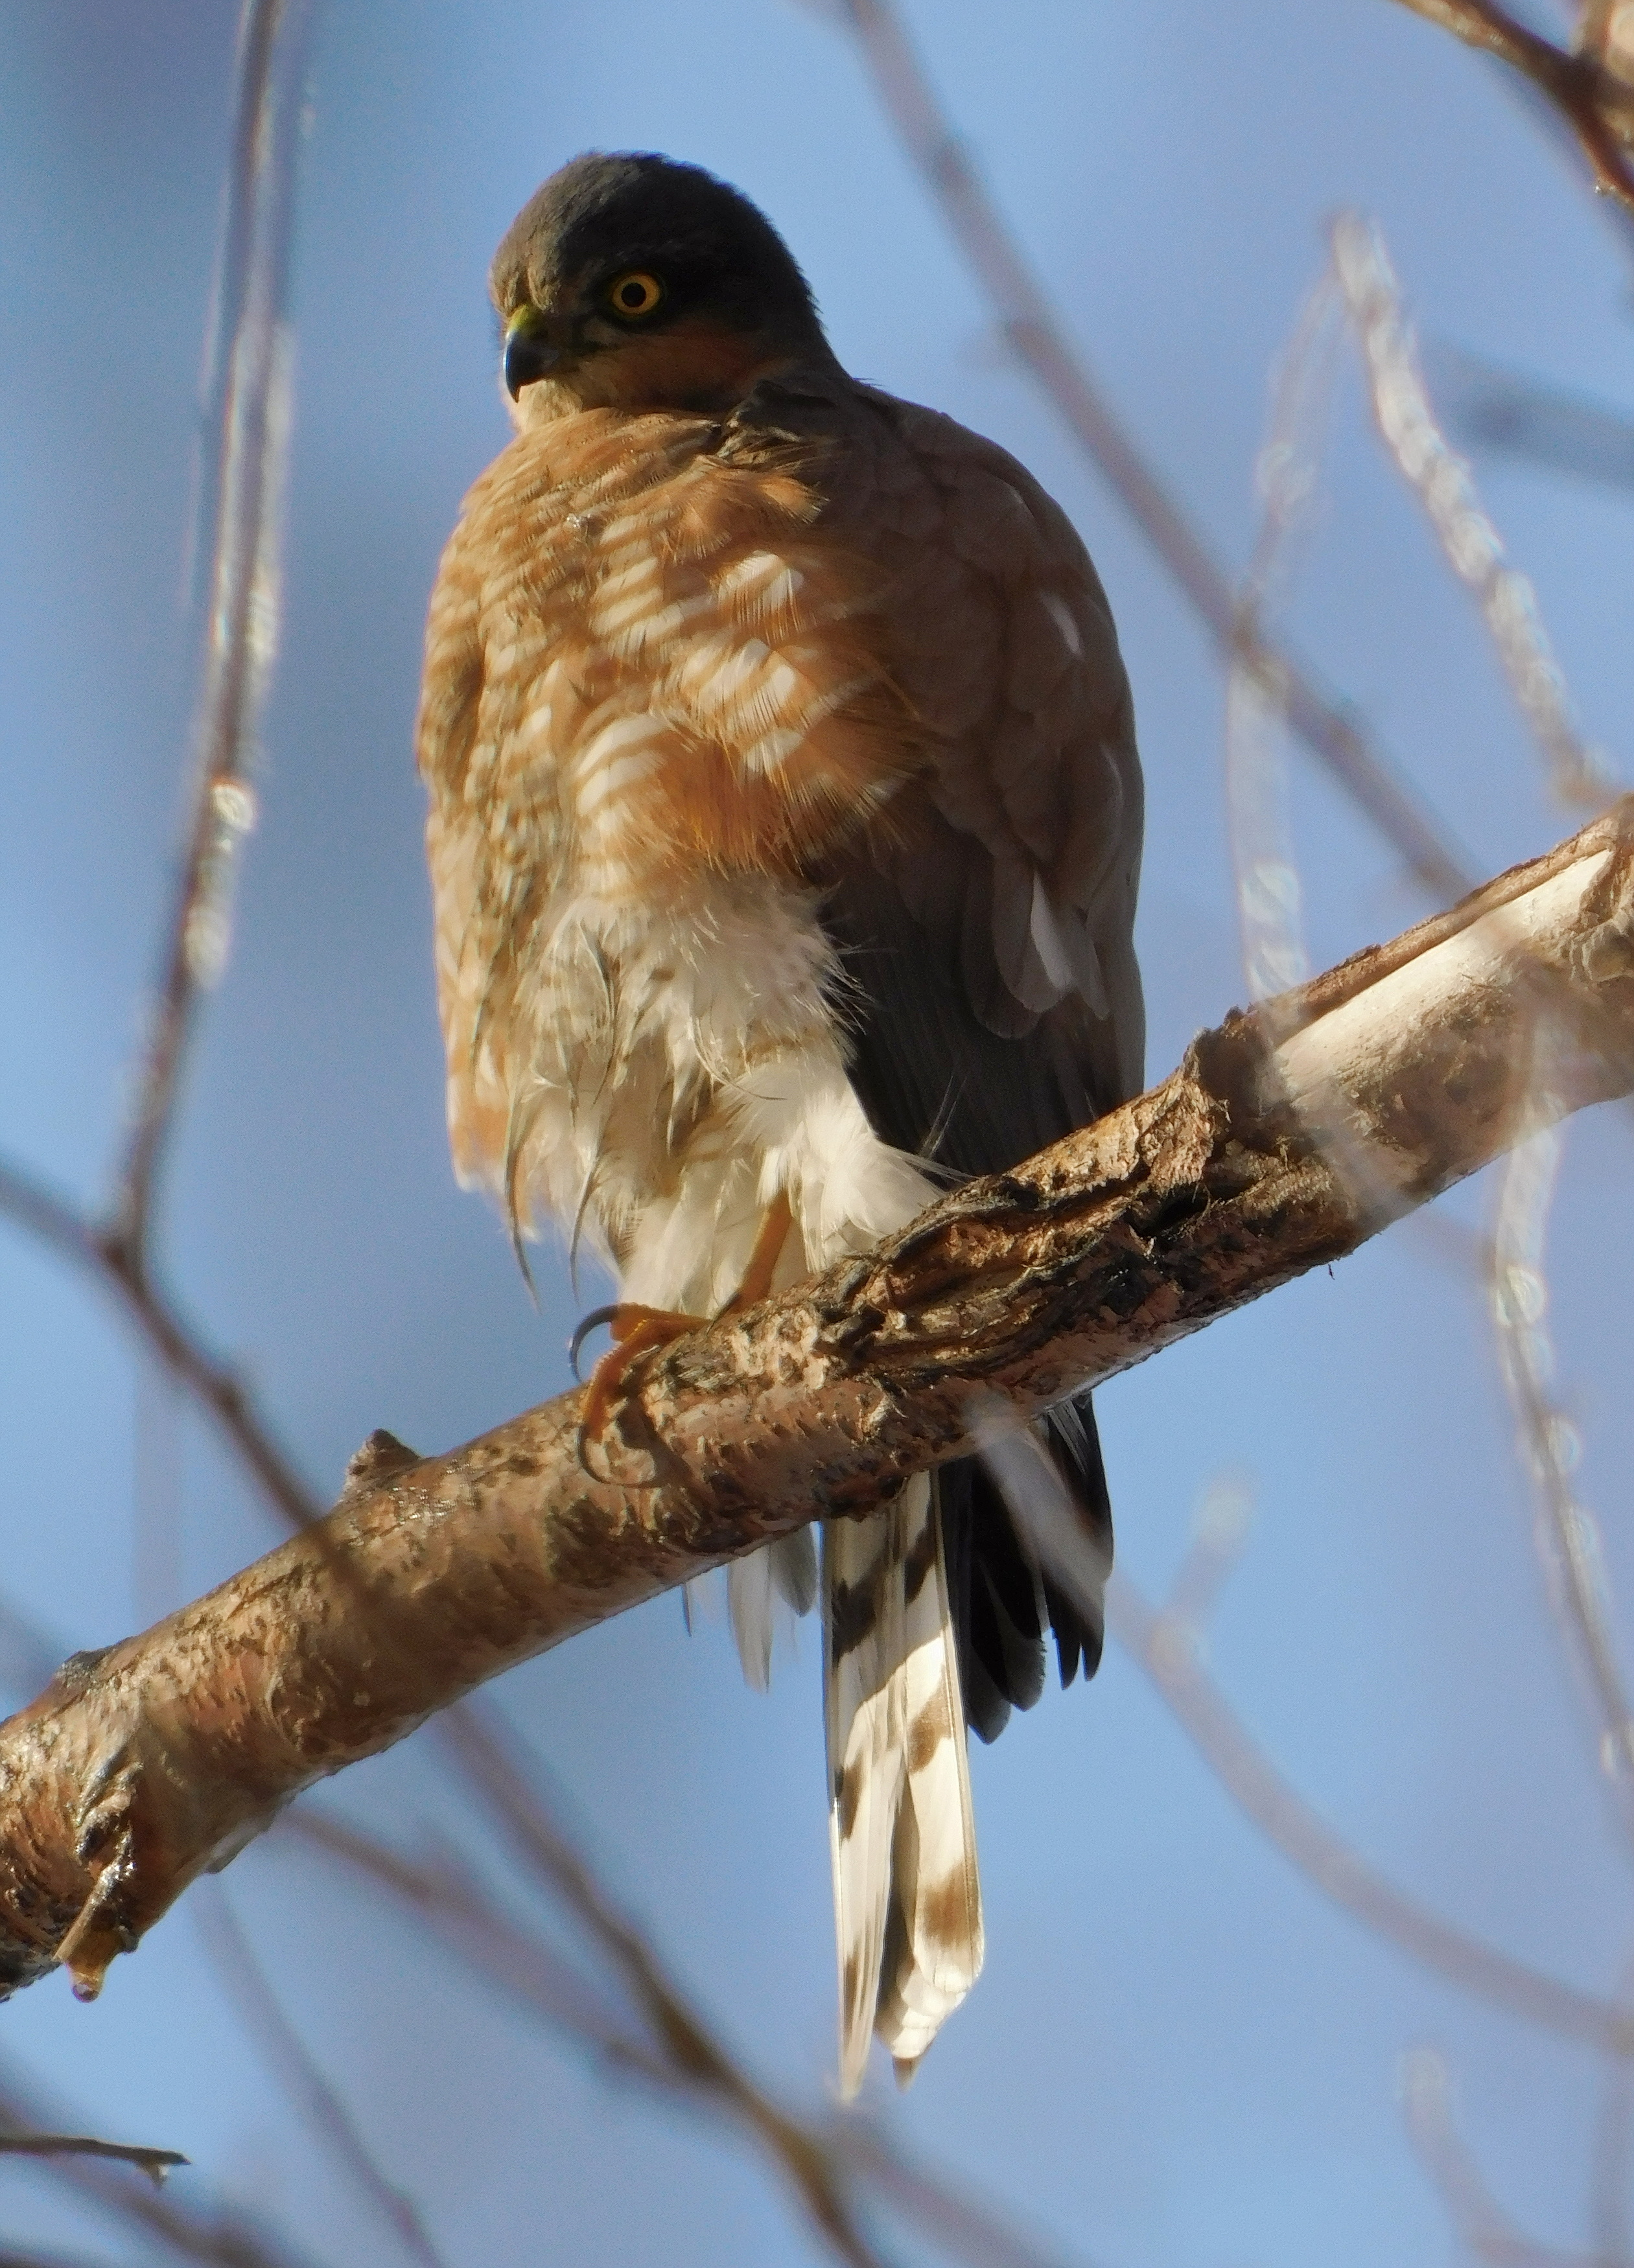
(653, 697)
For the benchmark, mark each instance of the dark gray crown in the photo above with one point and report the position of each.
(714, 253)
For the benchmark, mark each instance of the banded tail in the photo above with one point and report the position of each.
(907, 1900)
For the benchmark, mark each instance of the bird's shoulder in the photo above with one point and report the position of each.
(1002, 636)
(1001, 640)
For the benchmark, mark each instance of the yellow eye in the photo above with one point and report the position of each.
(636, 294)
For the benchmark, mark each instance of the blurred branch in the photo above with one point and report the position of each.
(1444, 487)
(444, 1898)
(966, 2231)
(1594, 103)
(1273, 946)
(1214, 1551)
(1490, 409)
(1592, 34)
(1165, 1647)
(1568, 1535)
(213, 1384)
(1028, 321)
(522, 1965)
(695, 2058)
(1481, 2222)
(142, 1766)
(208, 2234)
(321, 2105)
(1287, 475)
(154, 2163)
(814, 2161)
(33, 2258)
(248, 381)
(1268, 893)
(1612, 2163)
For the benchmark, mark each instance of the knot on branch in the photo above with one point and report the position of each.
(381, 1456)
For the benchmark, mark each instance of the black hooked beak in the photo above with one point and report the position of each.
(534, 348)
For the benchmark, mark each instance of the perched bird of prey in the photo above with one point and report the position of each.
(783, 836)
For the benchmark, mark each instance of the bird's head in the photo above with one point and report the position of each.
(634, 283)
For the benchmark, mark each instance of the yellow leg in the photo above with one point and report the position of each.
(637, 1331)
(769, 1242)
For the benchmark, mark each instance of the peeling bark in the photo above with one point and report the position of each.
(1284, 1139)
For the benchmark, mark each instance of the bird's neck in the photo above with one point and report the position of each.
(700, 369)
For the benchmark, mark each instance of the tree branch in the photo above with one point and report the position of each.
(327, 2114)
(1286, 1138)
(248, 382)
(1164, 1647)
(1595, 103)
(203, 2227)
(154, 2163)
(683, 2058)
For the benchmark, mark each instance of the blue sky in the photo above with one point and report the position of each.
(1179, 2055)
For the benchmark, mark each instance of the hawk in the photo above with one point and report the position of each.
(783, 836)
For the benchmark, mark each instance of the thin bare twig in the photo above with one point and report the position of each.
(1502, 412)
(1612, 2162)
(1481, 2222)
(965, 2228)
(1263, 859)
(443, 1897)
(154, 2163)
(1446, 487)
(1028, 322)
(1268, 893)
(1568, 1535)
(202, 2229)
(250, 382)
(1167, 1647)
(1167, 1651)
(1219, 1536)
(1592, 101)
(1272, 941)
(36, 2259)
(214, 1385)
(1518, 1288)
(321, 2104)
(494, 1767)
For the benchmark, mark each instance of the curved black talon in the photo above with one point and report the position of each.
(593, 1322)
(582, 1449)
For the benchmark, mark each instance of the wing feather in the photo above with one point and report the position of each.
(987, 925)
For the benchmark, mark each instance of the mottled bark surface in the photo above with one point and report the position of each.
(1283, 1140)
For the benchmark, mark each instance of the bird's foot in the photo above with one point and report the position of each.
(637, 1331)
